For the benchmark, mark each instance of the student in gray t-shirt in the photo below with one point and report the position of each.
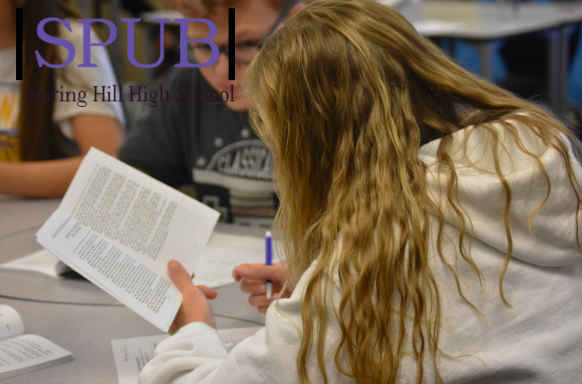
(200, 133)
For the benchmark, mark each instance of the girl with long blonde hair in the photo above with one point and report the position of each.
(430, 220)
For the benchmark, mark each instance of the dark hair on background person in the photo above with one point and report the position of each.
(44, 130)
(40, 137)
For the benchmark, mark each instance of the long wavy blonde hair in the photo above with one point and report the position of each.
(344, 95)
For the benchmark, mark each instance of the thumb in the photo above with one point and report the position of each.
(179, 275)
(210, 293)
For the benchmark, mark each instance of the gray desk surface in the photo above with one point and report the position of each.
(483, 23)
(77, 315)
(571, 12)
(85, 331)
(18, 214)
(490, 21)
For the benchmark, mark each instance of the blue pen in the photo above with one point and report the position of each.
(268, 261)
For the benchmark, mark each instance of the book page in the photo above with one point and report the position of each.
(40, 261)
(10, 323)
(119, 273)
(26, 351)
(137, 213)
(131, 355)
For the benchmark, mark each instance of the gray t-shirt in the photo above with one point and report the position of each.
(205, 144)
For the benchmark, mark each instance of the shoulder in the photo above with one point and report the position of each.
(483, 145)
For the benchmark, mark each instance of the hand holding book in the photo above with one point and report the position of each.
(119, 227)
(195, 306)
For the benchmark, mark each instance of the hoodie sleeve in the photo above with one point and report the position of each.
(196, 354)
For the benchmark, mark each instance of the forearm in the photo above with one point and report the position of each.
(38, 178)
(196, 354)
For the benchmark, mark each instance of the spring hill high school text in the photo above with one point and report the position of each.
(115, 93)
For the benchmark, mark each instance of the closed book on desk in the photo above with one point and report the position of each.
(41, 262)
(20, 353)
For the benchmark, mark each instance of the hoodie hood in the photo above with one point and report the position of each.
(550, 238)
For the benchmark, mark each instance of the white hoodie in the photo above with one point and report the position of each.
(537, 340)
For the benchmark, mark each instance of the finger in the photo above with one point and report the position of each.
(262, 310)
(253, 287)
(254, 271)
(241, 271)
(236, 276)
(259, 300)
(179, 275)
(208, 292)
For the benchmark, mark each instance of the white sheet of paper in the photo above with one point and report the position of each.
(10, 323)
(101, 262)
(40, 261)
(224, 252)
(132, 354)
(27, 352)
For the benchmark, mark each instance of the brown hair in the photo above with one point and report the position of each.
(344, 96)
(40, 137)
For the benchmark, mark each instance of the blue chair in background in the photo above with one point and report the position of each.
(468, 57)
(575, 75)
(521, 74)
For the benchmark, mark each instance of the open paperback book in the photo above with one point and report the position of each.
(20, 353)
(118, 228)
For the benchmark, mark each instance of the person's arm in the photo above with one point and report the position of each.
(196, 354)
(51, 178)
